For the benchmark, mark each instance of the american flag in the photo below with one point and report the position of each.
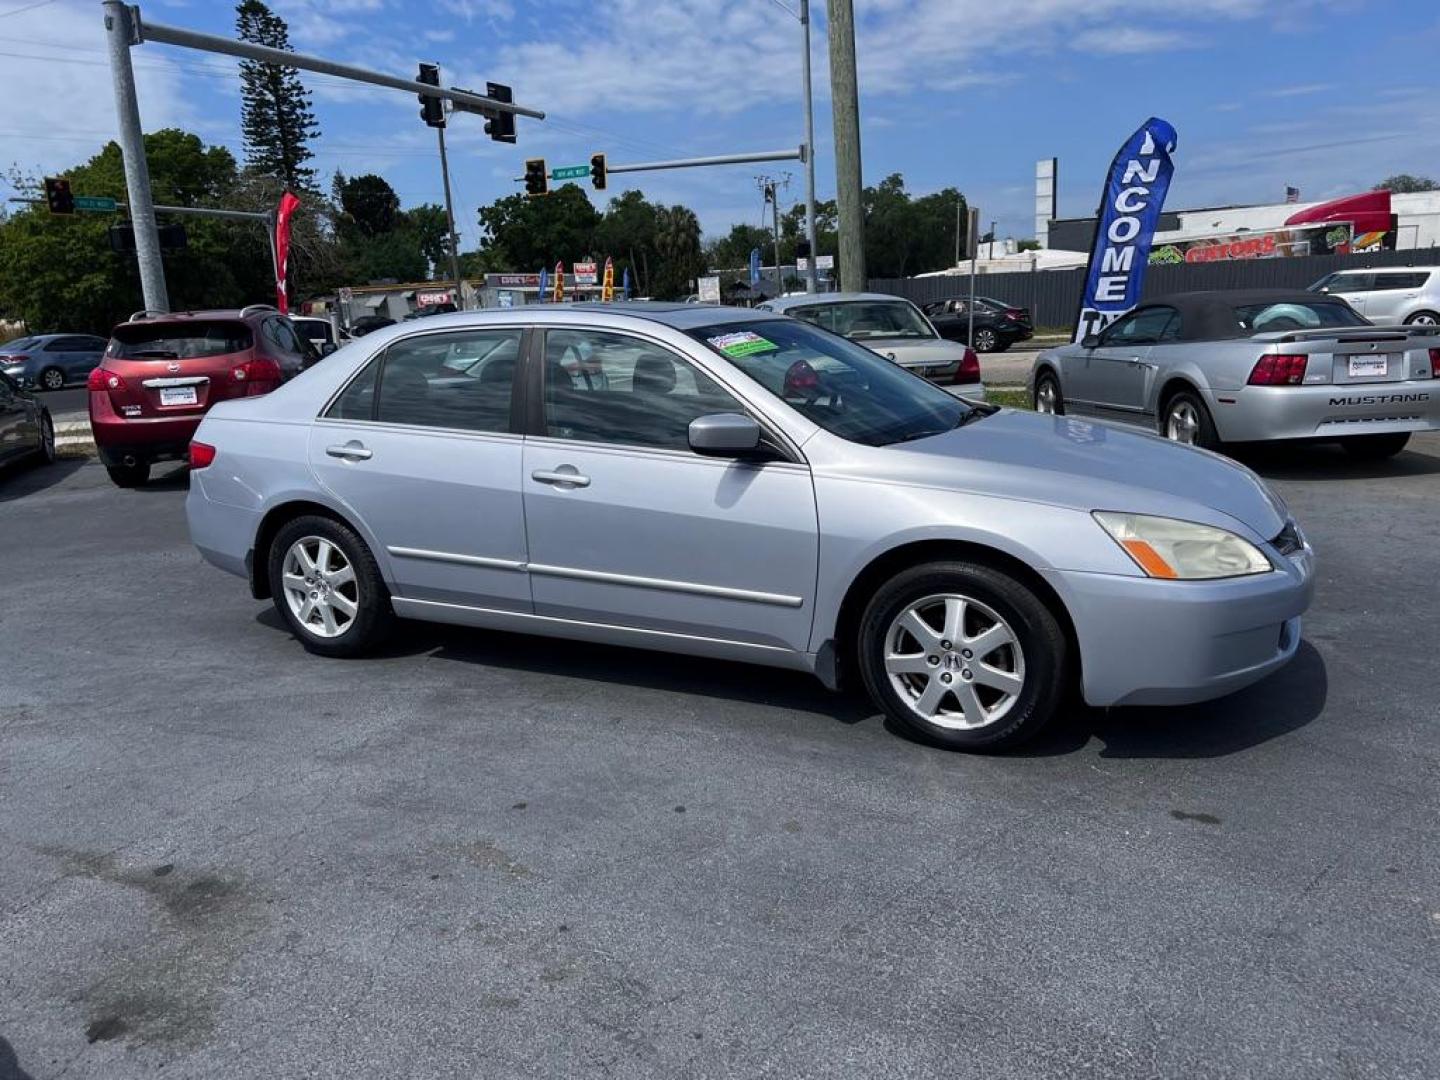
(1292, 194)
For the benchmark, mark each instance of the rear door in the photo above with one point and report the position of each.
(1351, 287)
(16, 435)
(629, 527)
(283, 345)
(422, 448)
(85, 356)
(1392, 293)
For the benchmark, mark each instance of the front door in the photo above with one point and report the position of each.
(628, 526)
(15, 428)
(422, 448)
(1120, 365)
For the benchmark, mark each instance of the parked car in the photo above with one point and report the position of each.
(1408, 294)
(51, 361)
(320, 333)
(997, 325)
(161, 373)
(26, 430)
(1209, 368)
(894, 328)
(368, 324)
(743, 486)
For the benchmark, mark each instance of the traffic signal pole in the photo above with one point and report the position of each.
(120, 34)
(450, 222)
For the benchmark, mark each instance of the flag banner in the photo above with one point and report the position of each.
(625, 286)
(283, 216)
(559, 282)
(1125, 226)
(607, 284)
(754, 267)
(544, 285)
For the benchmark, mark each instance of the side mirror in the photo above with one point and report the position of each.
(1090, 341)
(327, 347)
(724, 435)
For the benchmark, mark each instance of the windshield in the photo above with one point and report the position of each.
(848, 390)
(862, 319)
(179, 340)
(1292, 315)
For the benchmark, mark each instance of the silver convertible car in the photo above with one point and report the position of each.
(1209, 368)
(751, 487)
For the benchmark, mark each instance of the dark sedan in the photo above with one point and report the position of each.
(26, 430)
(998, 325)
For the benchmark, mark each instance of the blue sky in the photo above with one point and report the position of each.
(1326, 95)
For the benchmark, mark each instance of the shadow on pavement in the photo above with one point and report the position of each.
(1327, 461)
(9, 1063)
(1285, 702)
(17, 481)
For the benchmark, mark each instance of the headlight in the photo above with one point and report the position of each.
(1166, 548)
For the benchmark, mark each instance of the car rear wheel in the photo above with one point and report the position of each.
(1375, 447)
(327, 587)
(963, 656)
(47, 439)
(986, 340)
(1423, 318)
(1186, 420)
(1048, 399)
(129, 476)
(52, 378)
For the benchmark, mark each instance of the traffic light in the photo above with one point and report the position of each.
(58, 196)
(500, 126)
(432, 109)
(537, 177)
(802, 248)
(597, 171)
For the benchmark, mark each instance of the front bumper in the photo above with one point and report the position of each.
(1149, 642)
(1332, 411)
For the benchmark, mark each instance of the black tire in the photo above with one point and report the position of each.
(1042, 643)
(129, 476)
(986, 340)
(52, 378)
(373, 618)
(1044, 379)
(46, 454)
(1375, 447)
(1429, 318)
(1206, 436)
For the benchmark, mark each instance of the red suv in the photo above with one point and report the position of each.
(161, 373)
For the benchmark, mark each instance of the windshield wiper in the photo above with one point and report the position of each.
(977, 411)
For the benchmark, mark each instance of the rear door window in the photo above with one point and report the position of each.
(461, 380)
(1399, 279)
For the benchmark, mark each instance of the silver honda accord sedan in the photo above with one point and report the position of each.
(747, 486)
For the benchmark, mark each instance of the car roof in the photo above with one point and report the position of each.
(1381, 269)
(253, 311)
(785, 303)
(1209, 315)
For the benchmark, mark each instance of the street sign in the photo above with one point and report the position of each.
(96, 204)
(570, 172)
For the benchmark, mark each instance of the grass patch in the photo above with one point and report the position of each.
(1014, 399)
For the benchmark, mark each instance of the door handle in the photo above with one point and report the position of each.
(350, 451)
(566, 474)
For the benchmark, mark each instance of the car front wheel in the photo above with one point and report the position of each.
(1048, 399)
(963, 656)
(1186, 420)
(986, 340)
(327, 587)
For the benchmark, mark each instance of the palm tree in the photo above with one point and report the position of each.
(677, 242)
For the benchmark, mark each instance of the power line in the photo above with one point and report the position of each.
(27, 7)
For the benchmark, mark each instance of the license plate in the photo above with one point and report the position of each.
(185, 395)
(1361, 366)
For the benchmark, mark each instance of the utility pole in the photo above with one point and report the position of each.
(845, 104)
(810, 282)
(119, 36)
(450, 222)
(772, 196)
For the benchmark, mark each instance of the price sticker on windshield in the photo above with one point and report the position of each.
(743, 343)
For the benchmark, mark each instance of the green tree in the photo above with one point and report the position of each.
(524, 233)
(369, 203)
(677, 242)
(905, 236)
(431, 230)
(1404, 184)
(732, 251)
(275, 114)
(627, 234)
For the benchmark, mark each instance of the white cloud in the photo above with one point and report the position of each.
(1302, 90)
(1133, 39)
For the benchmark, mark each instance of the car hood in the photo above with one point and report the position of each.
(1063, 461)
(910, 352)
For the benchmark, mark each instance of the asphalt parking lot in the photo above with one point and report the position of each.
(490, 856)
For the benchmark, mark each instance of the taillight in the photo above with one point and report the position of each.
(201, 454)
(969, 369)
(801, 380)
(12, 360)
(256, 371)
(1281, 370)
(1013, 316)
(1435, 363)
(103, 379)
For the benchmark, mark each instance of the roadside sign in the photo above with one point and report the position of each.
(825, 262)
(586, 273)
(505, 298)
(570, 172)
(96, 204)
(431, 297)
(802, 264)
(709, 289)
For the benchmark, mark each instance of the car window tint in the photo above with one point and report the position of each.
(419, 387)
(357, 401)
(612, 388)
(61, 344)
(1349, 283)
(1142, 327)
(1399, 279)
(1172, 328)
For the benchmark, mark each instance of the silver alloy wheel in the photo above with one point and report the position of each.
(955, 662)
(1045, 397)
(1423, 319)
(53, 379)
(320, 586)
(1182, 423)
(985, 340)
